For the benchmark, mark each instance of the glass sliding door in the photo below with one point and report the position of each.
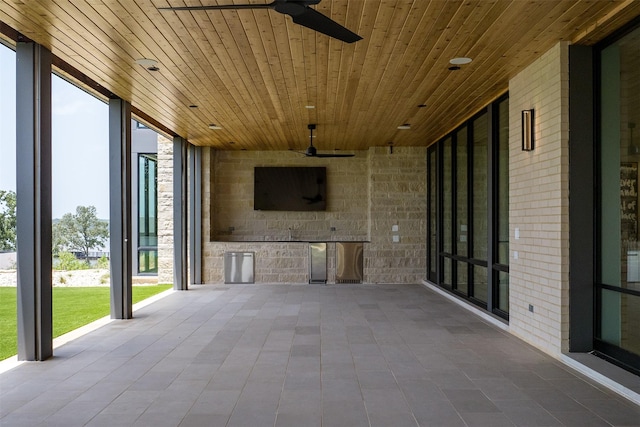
(467, 181)
(618, 266)
(446, 213)
(480, 206)
(501, 206)
(462, 212)
(432, 213)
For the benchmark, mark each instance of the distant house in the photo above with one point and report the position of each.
(7, 260)
(144, 181)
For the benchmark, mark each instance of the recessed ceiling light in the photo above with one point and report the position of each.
(214, 127)
(460, 61)
(148, 63)
(309, 107)
(405, 126)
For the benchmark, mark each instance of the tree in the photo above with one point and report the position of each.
(80, 232)
(7, 220)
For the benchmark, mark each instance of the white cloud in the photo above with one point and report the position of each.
(70, 108)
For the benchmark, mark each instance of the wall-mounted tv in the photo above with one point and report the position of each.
(290, 188)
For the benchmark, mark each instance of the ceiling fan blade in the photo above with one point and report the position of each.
(223, 7)
(315, 20)
(333, 155)
(298, 10)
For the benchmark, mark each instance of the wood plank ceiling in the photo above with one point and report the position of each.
(254, 72)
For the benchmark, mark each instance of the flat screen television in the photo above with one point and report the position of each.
(290, 188)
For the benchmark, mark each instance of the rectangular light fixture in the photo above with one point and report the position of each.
(527, 130)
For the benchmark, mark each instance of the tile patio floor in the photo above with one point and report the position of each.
(304, 355)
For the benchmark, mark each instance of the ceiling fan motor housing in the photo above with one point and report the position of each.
(293, 7)
(311, 150)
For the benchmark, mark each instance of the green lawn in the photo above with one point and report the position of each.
(72, 307)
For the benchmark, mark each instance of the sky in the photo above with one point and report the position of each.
(80, 142)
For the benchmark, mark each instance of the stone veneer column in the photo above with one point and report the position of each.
(165, 210)
(397, 199)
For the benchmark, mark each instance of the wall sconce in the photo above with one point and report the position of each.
(527, 130)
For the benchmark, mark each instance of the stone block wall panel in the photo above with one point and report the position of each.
(367, 194)
(165, 210)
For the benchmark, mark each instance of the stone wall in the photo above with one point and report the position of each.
(539, 205)
(232, 203)
(397, 201)
(165, 210)
(367, 195)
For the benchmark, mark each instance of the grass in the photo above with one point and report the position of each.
(72, 307)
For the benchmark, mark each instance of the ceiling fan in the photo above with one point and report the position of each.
(311, 150)
(298, 10)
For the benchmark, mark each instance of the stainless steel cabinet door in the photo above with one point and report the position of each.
(317, 262)
(238, 267)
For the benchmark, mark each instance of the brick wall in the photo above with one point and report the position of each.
(539, 204)
(367, 195)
